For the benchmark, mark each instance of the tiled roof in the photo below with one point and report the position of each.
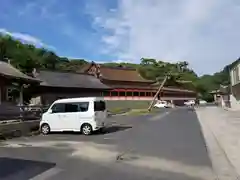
(8, 70)
(121, 74)
(69, 80)
(117, 73)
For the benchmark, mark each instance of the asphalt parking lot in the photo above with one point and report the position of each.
(165, 146)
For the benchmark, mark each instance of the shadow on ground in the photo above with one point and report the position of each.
(22, 169)
(112, 129)
(107, 130)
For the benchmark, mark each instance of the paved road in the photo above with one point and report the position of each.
(168, 146)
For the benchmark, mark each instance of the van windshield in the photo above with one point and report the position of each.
(99, 106)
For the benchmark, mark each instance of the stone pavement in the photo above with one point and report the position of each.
(221, 130)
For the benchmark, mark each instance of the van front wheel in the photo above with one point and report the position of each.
(45, 129)
(86, 129)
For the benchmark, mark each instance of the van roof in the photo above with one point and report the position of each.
(79, 99)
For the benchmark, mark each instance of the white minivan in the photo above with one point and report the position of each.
(76, 114)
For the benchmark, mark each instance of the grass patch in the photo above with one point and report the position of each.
(122, 106)
(118, 110)
(141, 112)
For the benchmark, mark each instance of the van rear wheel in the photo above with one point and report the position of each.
(86, 129)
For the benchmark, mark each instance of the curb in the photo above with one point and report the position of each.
(18, 129)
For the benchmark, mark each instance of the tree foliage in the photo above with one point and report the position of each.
(26, 57)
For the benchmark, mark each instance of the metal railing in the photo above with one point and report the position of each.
(23, 113)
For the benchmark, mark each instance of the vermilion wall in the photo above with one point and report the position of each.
(146, 98)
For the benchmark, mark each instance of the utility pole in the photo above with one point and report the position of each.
(180, 69)
(159, 90)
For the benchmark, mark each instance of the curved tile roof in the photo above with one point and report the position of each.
(116, 73)
(8, 70)
(69, 80)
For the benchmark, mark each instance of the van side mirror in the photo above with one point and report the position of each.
(50, 111)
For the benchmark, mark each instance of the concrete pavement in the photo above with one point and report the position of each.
(167, 146)
(222, 131)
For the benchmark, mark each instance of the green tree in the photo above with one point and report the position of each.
(26, 57)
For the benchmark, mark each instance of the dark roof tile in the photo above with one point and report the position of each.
(69, 80)
(8, 70)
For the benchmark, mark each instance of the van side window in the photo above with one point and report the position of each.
(58, 108)
(99, 106)
(71, 107)
(76, 107)
(83, 106)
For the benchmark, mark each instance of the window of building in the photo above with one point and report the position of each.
(129, 93)
(106, 93)
(114, 93)
(237, 74)
(236, 77)
(135, 93)
(149, 93)
(142, 93)
(122, 94)
(11, 94)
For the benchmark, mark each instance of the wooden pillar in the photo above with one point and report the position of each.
(21, 96)
(0, 94)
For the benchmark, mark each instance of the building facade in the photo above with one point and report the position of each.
(13, 81)
(57, 85)
(222, 96)
(235, 84)
(127, 84)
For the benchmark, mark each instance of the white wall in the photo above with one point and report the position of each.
(235, 104)
(232, 74)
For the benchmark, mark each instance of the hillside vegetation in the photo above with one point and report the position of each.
(26, 57)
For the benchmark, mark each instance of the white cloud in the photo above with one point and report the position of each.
(202, 32)
(26, 38)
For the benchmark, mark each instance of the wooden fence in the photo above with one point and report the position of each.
(23, 113)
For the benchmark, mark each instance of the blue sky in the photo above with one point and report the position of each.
(203, 32)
